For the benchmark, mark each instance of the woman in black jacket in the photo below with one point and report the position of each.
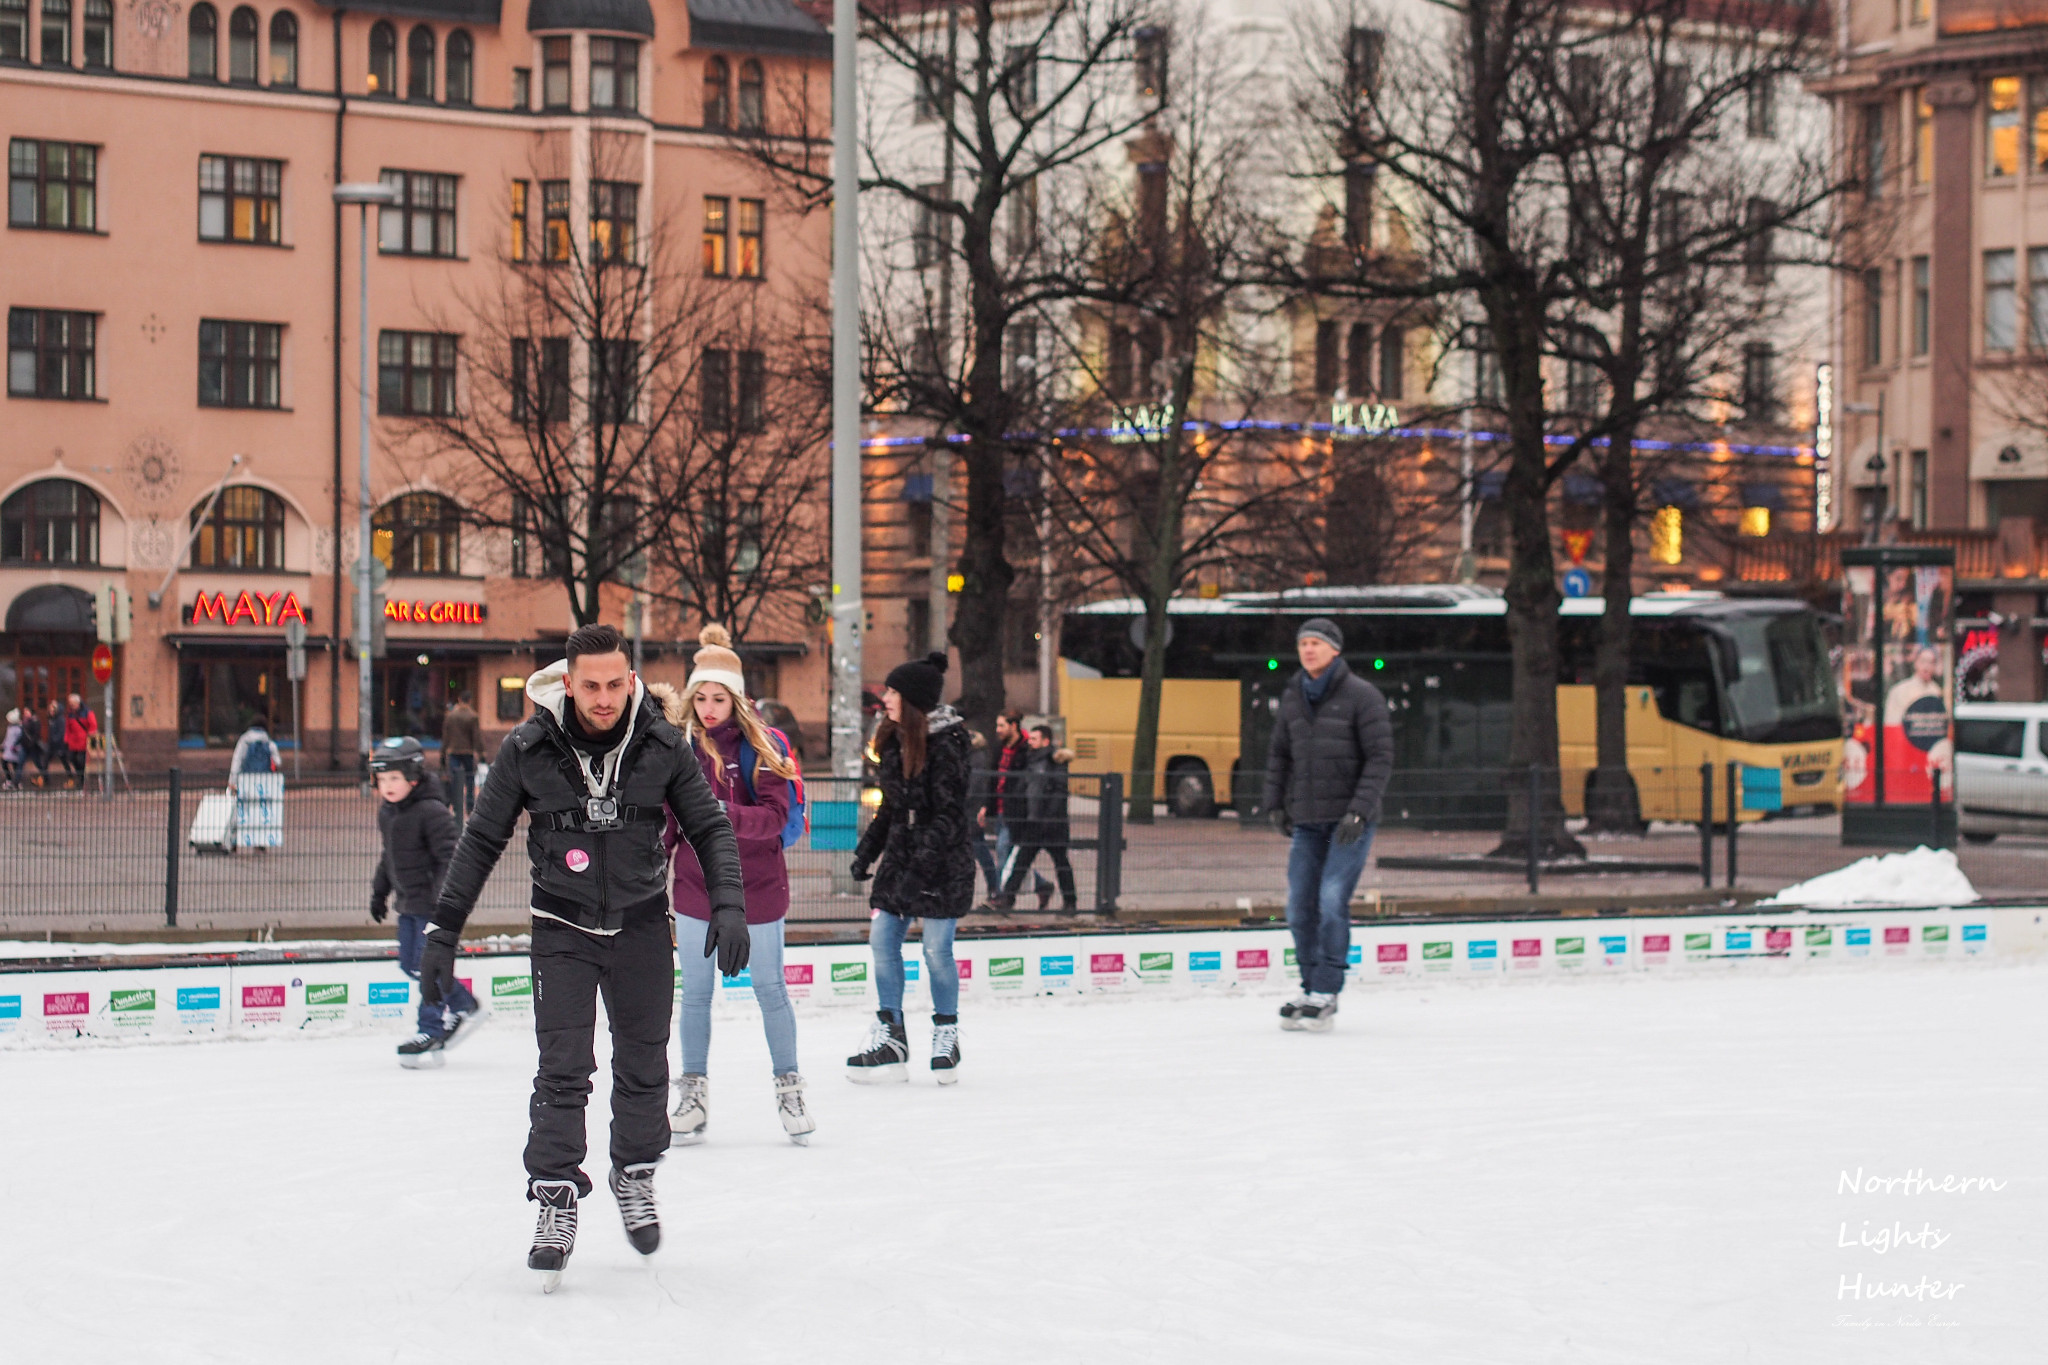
(923, 843)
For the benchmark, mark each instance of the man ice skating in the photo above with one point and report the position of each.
(1333, 751)
(593, 768)
(418, 834)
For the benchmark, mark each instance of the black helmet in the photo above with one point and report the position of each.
(400, 754)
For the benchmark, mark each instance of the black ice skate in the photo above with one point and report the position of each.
(554, 1237)
(885, 1059)
(463, 1026)
(633, 1187)
(789, 1106)
(945, 1048)
(423, 1052)
(1290, 1013)
(1318, 1013)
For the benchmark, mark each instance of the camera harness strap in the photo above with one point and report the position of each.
(600, 776)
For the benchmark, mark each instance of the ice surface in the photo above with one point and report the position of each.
(1925, 876)
(1643, 1171)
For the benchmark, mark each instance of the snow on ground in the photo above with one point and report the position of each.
(1626, 1171)
(1925, 876)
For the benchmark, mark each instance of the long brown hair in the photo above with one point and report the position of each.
(752, 730)
(910, 732)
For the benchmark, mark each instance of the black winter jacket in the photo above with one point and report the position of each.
(1334, 758)
(593, 879)
(1037, 798)
(920, 835)
(419, 836)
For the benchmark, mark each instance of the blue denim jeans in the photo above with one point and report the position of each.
(1321, 875)
(700, 984)
(412, 940)
(461, 784)
(886, 937)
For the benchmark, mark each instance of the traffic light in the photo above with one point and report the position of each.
(113, 616)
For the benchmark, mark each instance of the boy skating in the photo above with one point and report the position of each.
(418, 834)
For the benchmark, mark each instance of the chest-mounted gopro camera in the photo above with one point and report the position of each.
(601, 813)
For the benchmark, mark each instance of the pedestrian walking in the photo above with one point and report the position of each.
(418, 834)
(1013, 745)
(462, 739)
(256, 781)
(750, 772)
(921, 840)
(51, 748)
(1332, 753)
(12, 752)
(597, 769)
(1038, 801)
(81, 730)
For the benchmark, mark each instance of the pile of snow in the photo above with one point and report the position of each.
(1926, 876)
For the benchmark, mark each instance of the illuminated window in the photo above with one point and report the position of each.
(383, 59)
(1756, 521)
(518, 243)
(2002, 128)
(1923, 139)
(418, 533)
(716, 209)
(239, 199)
(747, 264)
(554, 214)
(284, 50)
(246, 531)
(1667, 535)
(614, 218)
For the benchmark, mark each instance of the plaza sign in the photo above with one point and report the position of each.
(247, 609)
(1363, 418)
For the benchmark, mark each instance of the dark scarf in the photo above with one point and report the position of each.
(1313, 690)
(596, 744)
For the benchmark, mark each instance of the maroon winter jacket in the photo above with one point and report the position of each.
(757, 822)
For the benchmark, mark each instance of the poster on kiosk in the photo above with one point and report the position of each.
(1898, 693)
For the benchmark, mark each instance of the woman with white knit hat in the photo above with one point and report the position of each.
(750, 771)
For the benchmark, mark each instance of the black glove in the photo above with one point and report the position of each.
(437, 964)
(1350, 829)
(859, 871)
(727, 937)
(378, 910)
(1278, 818)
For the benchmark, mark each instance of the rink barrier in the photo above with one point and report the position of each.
(96, 1001)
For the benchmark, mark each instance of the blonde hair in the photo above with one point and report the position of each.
(751, 729)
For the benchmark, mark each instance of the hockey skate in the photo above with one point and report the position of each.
(554, 1237)
(945, 1048)
(423, 1052)
(1290, 1013)
(463, 1026)
(633, 1187)
(693, 1111)
(1318, 1014)
(885, 1060)
(789, 1106)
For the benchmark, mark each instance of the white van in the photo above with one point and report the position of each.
(2002, 768)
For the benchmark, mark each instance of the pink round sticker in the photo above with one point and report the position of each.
(577, 859)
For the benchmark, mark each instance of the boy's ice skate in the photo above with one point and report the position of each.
(633, 1187)
(1319, 1014)
(885, 1060)
(554, 1237)
(1290, 1013)
(693, 1111)
(463, 1024)
(789, 1106)
(423, 1052)
(945, 1048)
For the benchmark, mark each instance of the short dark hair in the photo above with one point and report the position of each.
(595, 639)
(464, 696)
(1045, 730)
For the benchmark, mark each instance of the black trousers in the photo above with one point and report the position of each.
(635, 971)
(1024, 852)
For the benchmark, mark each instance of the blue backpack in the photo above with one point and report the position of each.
(799, 822)
(259, 757)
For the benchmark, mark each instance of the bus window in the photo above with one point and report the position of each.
(1778, 686)
(1671, 659)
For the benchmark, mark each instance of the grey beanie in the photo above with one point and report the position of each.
(1323, 628)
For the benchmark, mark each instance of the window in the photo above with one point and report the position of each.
(753, 106)
(14, 30)
(615, 381)
(2037, 299)
(1762, 112)
(925, 97)
(1760, 217)
(925, 250)
(1923, 138)
(554, 73)
(56, 32)
(238, 364)
(1362, 51)
(540, 390)
(99, 35)
(717, 93)
(415, 374)
(383, 59)
(1760, 382)
(52, 521)
(517, 244)
(52, 184)
(1998, 301)
(752, 405)
(1358, 360)
(714, 389)
(1916, 470)
(1117, 376)
(1581, 387)
(554, 219)
(1358, 186)
(1149, 62)
(614, 74)
(422, 222)
(614, 219)
(2002, 128)
(1489, 385)
(1023, 211)
(1992, 738)
(239, 199)
(522, 87)
(202, 54)
(715, 234)
(747, 264)
(2037, 101)
(1923, 10)
(1873, 317)
(1393, 360)
(1020, 362)
(284, 50)
(50, 353)
(419, 63)
(460, 85)
(1922, 308)
(418, 533)
(243, 33)
(1667, 535)
(537, 552)
(1672, 94)
(1875, 150)
(1152, 205)
(1020, 76)
(246, 531)
(1327, 338)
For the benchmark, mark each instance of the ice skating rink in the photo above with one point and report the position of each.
(1639, 1171)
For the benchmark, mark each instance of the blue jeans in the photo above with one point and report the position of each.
(1321, 875)
(700, 984)
(991, 865)
(886, 937)
(461, 784)
(412, 938)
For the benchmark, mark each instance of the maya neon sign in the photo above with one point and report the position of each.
(435, 613)
(248, 609)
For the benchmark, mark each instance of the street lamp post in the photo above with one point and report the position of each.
(363, 194)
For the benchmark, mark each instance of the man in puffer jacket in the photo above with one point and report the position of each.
(1333, 751)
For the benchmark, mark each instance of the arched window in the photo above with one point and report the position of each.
(202, 54)
(419, 60)
(246, 531)
(99, 35)
(717, 93)
(284, 50)
(753, 98)
(243, 31)
(383, 59)
(461, 83)
(418, 533)
(56, 32)
(52, 521)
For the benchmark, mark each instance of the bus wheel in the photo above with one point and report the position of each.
(1188, 792)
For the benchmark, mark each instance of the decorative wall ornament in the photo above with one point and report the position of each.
(152, 469)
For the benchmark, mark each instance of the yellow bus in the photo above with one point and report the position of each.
(1713, 679)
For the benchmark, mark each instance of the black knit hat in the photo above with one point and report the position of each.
(1323, 628)
(920, 681)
